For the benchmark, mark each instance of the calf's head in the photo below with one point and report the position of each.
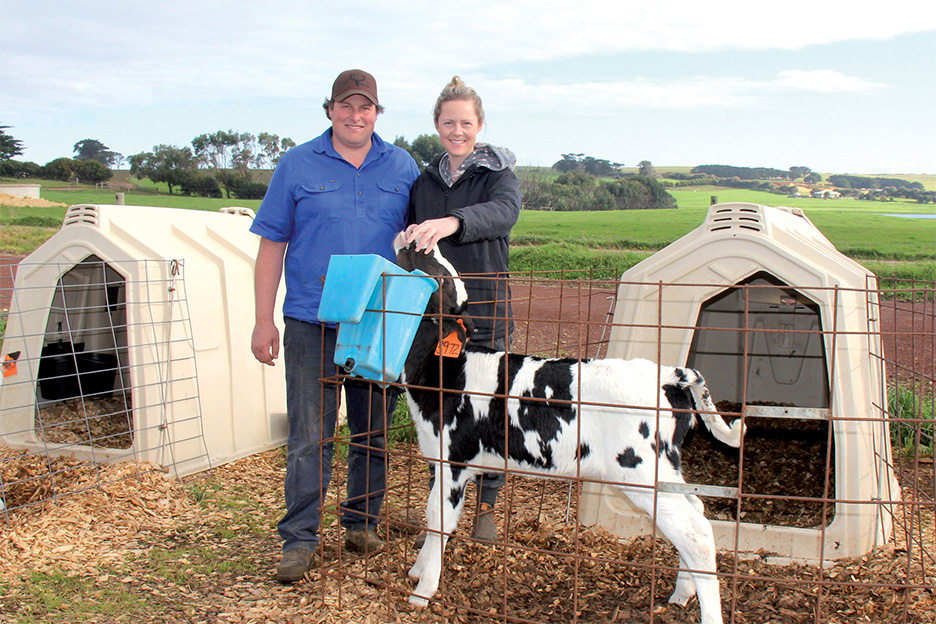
(451, 299)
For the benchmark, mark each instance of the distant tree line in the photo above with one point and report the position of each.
(579, 186)
(890, 193)
(574, 190)
(220, 162)
(581, 163)
(676, 179)
(67, 169)
(600, 167)
(89, 169)
(64, 169)
(226, 162)
(865, 182)
(589, 183)
(747, 173)
(423, 149)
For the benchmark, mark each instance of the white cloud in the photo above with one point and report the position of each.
(549, 29)
(186, 65)
(823, 80)
(116, 54)
(608, 98)
(697, 92)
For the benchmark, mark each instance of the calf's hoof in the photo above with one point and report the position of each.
(680, 598)
(418, 601)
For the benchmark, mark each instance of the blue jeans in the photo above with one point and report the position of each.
(309, 353)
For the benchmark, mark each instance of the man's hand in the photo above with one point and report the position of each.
(265, 343)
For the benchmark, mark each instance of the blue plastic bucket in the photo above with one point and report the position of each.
(375, 345)
(349, 285)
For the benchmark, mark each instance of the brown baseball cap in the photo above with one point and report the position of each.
(354, 81)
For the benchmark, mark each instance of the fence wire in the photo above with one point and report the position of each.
(99, 366)
(556, 559)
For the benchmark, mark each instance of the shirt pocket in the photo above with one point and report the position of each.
(321, 200)
(394, 200)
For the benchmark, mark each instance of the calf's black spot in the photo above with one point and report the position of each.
(629, 458)
(455, 495)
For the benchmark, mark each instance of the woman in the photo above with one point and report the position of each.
(466, 201)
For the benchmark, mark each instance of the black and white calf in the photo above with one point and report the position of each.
(620, 421)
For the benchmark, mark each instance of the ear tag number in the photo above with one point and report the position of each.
(451, 345)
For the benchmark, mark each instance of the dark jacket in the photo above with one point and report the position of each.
(486, 202)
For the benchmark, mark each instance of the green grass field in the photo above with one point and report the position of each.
(857, 228)
(854, 227)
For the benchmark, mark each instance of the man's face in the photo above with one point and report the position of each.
(353, 121)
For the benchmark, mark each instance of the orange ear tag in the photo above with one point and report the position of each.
(451, 345)
(9, 363)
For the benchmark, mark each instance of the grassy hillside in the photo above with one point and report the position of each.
(855, 227)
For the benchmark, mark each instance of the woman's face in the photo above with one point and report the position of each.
(458, 127)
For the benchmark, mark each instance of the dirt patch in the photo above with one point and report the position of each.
(31, 202)
(908, 331)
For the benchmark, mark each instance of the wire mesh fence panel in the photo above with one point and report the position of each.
(567, 549)
(557, 559)
(99, 366)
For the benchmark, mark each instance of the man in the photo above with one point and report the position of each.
(345, 192)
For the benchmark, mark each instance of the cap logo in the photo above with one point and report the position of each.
(357, 79)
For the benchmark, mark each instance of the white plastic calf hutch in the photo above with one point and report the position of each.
(780, 322)
(152, 310)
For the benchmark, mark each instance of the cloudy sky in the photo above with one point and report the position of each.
(838, 86)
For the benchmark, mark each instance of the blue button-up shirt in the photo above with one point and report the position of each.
(321, 205)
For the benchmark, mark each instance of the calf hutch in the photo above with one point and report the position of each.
(784, 329)
(128, 337)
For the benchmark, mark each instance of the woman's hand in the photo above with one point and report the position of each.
(428, 233)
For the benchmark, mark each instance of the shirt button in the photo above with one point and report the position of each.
(321, 188)
(359, 193)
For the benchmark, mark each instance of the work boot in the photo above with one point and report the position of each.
(484, 528)
(363, 540)
(294, 564)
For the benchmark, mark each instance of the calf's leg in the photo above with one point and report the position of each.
(685, 586)
(444, 507)
(691, 533)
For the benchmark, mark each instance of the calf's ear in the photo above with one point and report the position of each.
(399, 242)
(469, 326)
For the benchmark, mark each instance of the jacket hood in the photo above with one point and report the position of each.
(495, 158)
(484, 155)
